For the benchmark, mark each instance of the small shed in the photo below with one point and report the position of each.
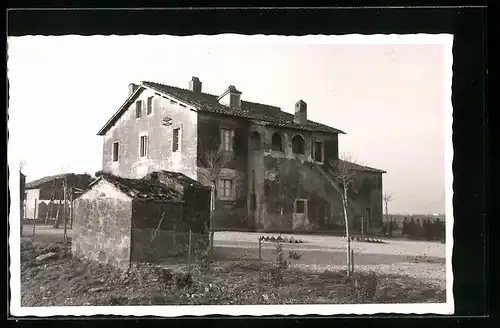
(44, 197)
(120, 220)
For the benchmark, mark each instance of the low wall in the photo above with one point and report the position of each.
(167, 245)
(101, 231)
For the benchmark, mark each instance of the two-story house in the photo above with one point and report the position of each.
(269, 167)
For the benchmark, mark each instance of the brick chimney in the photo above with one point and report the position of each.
(131, 88)
(195, 85)
(300, 112)
(231, 97)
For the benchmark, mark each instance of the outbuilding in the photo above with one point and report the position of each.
(119, 220)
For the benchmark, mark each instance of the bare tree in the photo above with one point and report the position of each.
(213, 160)
(64, 170)
(345, 175)
(387, 199)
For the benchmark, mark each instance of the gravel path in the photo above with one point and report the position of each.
(393, 247)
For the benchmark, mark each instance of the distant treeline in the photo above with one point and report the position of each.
(425, 228)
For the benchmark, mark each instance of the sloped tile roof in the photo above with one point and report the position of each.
(147, 190)
(358, 167)
(37, 183)
(178, 177)
(205, 102)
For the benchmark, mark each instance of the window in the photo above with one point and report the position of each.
(143, 152)
(300, 206)
(175, 140)
(138, 109)
(116, 147)
(276, 142)
(149, 107)
(317, 151)
(227, 137)
(225, 188)
(298, 146)
(255, 142)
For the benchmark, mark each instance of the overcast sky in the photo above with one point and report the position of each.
(390, 99)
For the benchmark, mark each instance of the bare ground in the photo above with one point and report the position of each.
(66, 281)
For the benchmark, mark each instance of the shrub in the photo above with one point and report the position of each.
(166, 276)
(183, 280)
(204, 260)
(365, 286)
(292, 255)
(281, 264)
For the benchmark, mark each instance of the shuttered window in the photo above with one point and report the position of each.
(175, 140)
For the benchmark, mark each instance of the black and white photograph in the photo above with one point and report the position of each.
(230, 174)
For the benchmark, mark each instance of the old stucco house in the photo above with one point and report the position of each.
(269, 167)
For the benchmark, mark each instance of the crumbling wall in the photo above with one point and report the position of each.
(288, 179)
(102, 229)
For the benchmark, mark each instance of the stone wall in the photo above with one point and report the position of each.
(102, 226)
(151, 245)
(101, 231)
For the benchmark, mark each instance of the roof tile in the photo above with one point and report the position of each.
(142, 189)
(249, 110)
(272, 115)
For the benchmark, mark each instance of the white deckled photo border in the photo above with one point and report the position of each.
(257, 310)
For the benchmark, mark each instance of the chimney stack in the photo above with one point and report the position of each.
(231, 97)
(131, 88)
(195, 85)
(300, 112)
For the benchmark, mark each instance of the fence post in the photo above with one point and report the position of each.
(34, 219)
(65, 212)
(352, 261)
(189, 252)
(260, 248)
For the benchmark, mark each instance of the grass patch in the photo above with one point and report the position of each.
(67, 281)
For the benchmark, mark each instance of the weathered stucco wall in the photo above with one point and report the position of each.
(102, 226)
(127, 131)
(367, 200)
(151, 245)
(275, 193)
(32, 198)
(229, 212)
(289, 179)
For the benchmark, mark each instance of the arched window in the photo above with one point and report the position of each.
(298, 144)
(255, 142)
(276, 142)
